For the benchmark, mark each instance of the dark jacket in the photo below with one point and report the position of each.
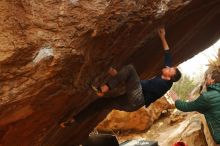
(156, 87)
(209, 105)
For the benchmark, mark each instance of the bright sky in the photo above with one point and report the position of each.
(198, 64)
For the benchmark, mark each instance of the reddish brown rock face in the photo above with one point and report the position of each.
(51, 50)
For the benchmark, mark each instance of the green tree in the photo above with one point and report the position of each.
(184, 86)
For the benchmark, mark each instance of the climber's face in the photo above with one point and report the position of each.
(168, 72)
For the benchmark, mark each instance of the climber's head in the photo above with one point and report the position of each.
(171, 73)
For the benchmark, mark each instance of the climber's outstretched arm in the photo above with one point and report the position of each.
(167, 55)
(162, 33)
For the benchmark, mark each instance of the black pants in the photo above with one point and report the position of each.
(131, 101)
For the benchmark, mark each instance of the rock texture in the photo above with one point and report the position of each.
(173, 127)
(189, 131)
(51, 50)
(138, 121)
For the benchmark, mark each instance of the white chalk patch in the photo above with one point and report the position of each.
(43, 53)
(163, 6)
(74, 2)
